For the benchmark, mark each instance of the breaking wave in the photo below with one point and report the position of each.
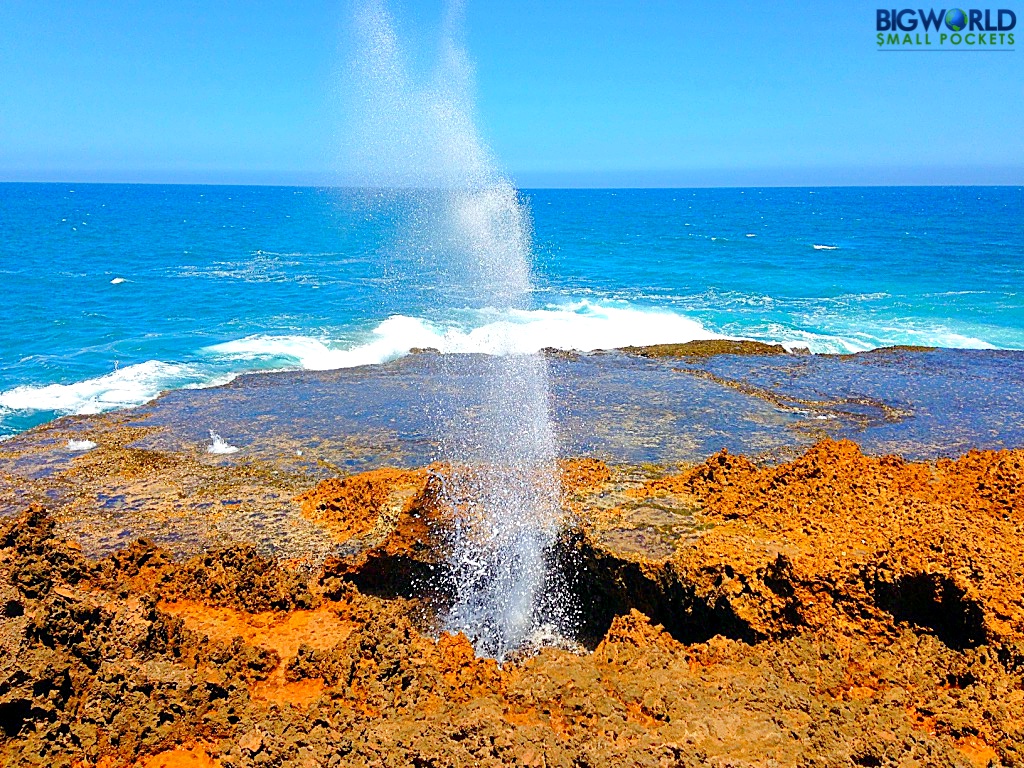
(582, 325)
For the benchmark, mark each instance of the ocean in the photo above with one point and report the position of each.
(113, 294)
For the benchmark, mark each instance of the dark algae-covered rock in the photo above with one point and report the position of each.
(708, 348)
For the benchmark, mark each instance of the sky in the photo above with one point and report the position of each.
(569, 93)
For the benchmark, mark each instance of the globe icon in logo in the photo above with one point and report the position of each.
(956, 20)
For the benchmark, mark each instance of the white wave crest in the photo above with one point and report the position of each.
(825, 247)
(583, 326)
(844, 341)
(128, 386)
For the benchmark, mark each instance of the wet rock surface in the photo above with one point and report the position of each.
(151, 475)
(836, 609)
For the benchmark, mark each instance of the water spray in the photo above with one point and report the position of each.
(497, 435)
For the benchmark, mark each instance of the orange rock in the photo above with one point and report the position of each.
(196, 757)
(583, 474)
(837, 609)
(352, 506)
(281, 631)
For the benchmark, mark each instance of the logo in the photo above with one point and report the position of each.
(956, 20)
(953, 29)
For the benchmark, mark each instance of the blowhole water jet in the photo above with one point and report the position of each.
(469, 227)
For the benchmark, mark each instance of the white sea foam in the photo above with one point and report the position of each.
(819, 343)
(117, 281)
(934, 336)
(219, 445)
(825, 247)
(80, 445)
(131, 385)
(583, 326)
(840, 341)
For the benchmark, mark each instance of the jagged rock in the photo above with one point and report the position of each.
(834, 610)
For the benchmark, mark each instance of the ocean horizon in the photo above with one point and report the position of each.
(115, 293)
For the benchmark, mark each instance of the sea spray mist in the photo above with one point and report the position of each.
(417, 142)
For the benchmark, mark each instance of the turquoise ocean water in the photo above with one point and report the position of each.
(114, 293)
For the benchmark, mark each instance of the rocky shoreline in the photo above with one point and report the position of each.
(838, 609)
(800, 599)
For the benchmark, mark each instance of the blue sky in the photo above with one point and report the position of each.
(569, 94)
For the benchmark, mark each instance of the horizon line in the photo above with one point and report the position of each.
(517, 186)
